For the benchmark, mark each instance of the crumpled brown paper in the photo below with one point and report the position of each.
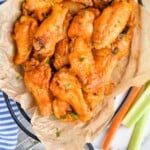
(73, 136)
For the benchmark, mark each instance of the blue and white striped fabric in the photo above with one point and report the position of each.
(8, 128)
(2, 1)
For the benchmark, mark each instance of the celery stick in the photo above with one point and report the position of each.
(138, 133)
(141, 105)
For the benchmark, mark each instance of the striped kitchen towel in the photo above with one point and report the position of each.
(2, 1)
(8, 128)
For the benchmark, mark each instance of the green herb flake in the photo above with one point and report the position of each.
(63, 117)
(75, 116)
(48, 62)
(57, 133)
(82, 59)
(17, 77)
(68, 86)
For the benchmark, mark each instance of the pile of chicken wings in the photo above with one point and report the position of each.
(68, 50)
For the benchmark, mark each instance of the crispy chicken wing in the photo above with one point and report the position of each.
(39, 8)
(61, 54)
(83, 65)
(110, 24)
(105, 64)
(66, 87)
(121, 46)
(62, 110)
(37, 81)
(82, 24)
(24, 31)
(50, 32)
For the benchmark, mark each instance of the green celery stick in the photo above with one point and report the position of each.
(141, 105)
(138, 133)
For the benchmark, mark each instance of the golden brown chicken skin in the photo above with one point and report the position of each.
(66, 87)
(37, 80)
(110, 24)
(66, 24)
(24, 31)
(81, 60)
(61, 54)
(85, 2)
(121, 47)
(62, 110)
(69, 50)
(73, 7)
(49, 33)
(105, 63)
(82, 24)
(93, 99)
(83, 64)
(38, 8)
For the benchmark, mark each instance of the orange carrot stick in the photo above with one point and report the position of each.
(119, 117)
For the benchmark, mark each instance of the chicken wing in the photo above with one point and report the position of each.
(110, 24)
(62, 110)
(83, 65)
(105, 63)
(121, 46)
(38, 7)
(49, 33)
(24, 31)
(66, 87)
(61, 54)
(37, 81)
(82, 24)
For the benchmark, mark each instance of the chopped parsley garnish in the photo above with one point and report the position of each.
(48, 62)
(17, 77)
(68, 86)
(57, 133)
(82, 59)
(63, 117)
(75, 116)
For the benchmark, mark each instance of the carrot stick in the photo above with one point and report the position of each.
(119, 117)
